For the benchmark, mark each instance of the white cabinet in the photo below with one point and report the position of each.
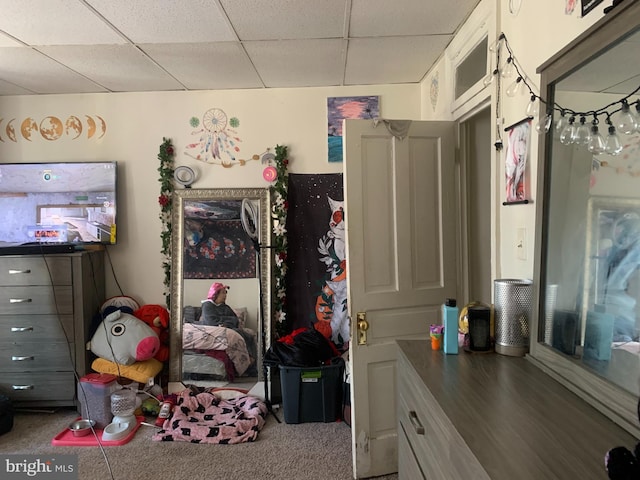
(47, 303)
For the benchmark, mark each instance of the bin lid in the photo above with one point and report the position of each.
(99, 378)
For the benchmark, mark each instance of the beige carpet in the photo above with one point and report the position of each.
(309, 451)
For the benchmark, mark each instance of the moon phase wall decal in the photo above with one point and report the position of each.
(51, 128)
(11, 132)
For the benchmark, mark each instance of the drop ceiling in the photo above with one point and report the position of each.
(90, 46)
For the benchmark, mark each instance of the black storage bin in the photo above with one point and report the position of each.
(6, 415)
(312, 394)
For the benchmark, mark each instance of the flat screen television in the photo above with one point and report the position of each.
(65, 204)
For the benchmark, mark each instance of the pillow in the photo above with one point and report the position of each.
(139, 372)
(191, 314)
(242, 315)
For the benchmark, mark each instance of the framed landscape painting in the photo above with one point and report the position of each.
(339, 108)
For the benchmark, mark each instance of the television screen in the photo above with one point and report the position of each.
(57, 203)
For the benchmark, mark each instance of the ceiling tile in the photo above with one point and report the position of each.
(208, 66)
(297, 63)
(7, 41)
(55, 22)
(7, 88)
(286, 19)
(392, 59)
(409, 17)
(119, 68)
(44, 74)
(151, 21)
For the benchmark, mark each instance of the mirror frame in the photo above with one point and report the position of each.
(177, 234)
(617, 404)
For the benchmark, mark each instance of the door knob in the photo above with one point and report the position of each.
(363, 326)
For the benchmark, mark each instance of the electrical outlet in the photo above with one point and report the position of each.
(521, 243)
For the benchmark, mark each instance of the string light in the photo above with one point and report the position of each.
(625, 112)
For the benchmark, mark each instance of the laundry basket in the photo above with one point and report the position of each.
(513, 306)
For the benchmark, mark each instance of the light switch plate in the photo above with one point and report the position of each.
(521, 243)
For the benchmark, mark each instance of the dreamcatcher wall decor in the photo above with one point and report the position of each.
(218, 141)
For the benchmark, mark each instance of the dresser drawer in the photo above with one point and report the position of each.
(430, 447)
(408, 468)
(424, 423)
(34, 357)
(43, 387)
(35, 270)
(29, 300)
(36, 328)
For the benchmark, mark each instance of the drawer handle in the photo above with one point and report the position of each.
(22, 329)
(19, 300)
(22, 387)
(16, 358)
(413, 416)
(15, 272)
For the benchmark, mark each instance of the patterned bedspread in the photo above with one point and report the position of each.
(206, 337)
(206, 418)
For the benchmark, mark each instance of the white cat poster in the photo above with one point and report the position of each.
(317, 276)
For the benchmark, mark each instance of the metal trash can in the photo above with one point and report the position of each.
(513, 305)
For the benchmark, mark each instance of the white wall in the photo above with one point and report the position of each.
(535, 34)
(136, 125)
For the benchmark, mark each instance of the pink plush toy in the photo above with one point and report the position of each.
(157, 317)
(124, 339)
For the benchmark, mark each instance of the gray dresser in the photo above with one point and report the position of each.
(46, 307)
(489, 416)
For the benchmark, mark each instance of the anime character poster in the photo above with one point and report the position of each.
(339, 108)
(317, 277)
(516, 154)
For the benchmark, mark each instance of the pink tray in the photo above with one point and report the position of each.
(66, 439)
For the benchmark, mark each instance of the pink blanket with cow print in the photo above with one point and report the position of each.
(207, 418)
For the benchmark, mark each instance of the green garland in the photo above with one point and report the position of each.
(280, 205)
(166, 157)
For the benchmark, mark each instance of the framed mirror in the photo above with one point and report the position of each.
(587, 279)
(219, 236)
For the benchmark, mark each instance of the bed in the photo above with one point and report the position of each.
(214, 352)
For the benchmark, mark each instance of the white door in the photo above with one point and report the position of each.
(400, 204)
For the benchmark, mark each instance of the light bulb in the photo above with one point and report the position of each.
(612, 144)
(514, 88)
(544, 124)
(567, 134)
(582, 134)
(488, 80)
(596, 143)
(636, 113)
(626, 122)
(533, 108)
(496, 44)
(561, 123)
(508, 68)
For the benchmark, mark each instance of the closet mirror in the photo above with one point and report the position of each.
(587, 314)
(217, 237)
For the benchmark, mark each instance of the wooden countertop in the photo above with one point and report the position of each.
(518, 421)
